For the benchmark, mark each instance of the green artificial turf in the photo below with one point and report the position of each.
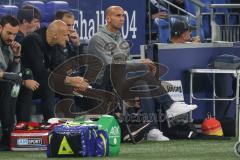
(174, 149)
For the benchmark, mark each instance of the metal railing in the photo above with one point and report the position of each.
(169, 4)
(224, 32)
(197, 17)
(180, 9)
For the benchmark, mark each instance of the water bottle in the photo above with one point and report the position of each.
(15, 90)
(26, 74)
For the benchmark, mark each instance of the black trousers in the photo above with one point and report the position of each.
(24, 105)
(221, 91)
(48, 100)
(7, 111)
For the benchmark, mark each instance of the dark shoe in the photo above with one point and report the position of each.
(138, 132)
(5, 141)
(4, 147)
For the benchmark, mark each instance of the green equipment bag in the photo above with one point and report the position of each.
(107, 123)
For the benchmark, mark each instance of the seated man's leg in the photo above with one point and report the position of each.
(83, 104)
(7, 108)
(24, 104)
(149, 111)
(221, 91)
(163, 102)
(48, 102)
(158, 110)
(173, 108)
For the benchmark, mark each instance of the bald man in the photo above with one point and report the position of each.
(109, 34)
(39, 48)
(109, 45)
(73, 45)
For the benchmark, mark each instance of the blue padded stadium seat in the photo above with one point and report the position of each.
(8, 9)
(206, 26)
(193, 22)
(38, 4)
(52, 7)
(190, 7)
(232, 18)
(74, 4)
(206, 9)
(222, 12)
(4, 2)
(163, 30)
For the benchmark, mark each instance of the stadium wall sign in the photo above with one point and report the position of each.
(90, 15)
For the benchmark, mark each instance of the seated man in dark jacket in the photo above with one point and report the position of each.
(29, 21)
(39, 50)
(72, 46)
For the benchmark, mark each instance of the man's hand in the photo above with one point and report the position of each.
(74, 37)
(150, 65)
(196, 39)
(31, 84)
(16, 48)
(14, 77)
(79, 83)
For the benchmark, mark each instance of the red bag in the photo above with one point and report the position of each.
(30, 136)
(29, 140)
(211, 126)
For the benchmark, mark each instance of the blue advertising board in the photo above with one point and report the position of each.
(180, 58)
(90, 15)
